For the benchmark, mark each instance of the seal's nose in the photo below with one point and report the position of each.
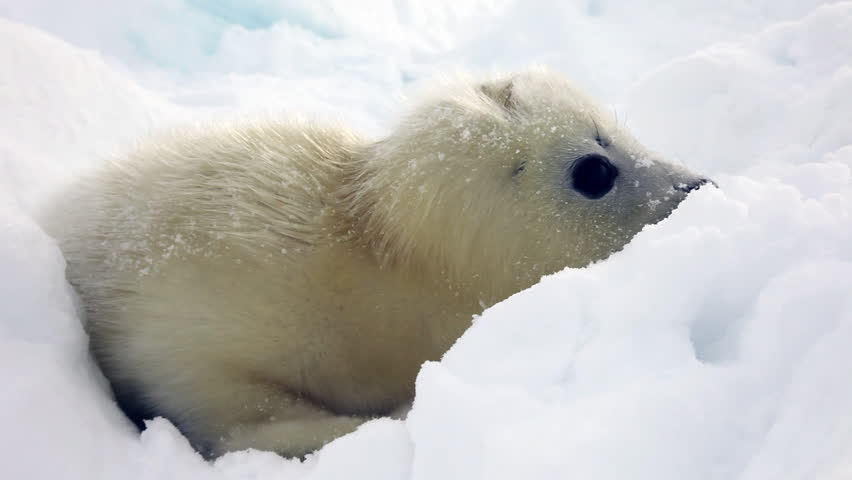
(688, 187)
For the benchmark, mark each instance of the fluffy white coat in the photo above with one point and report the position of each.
(275, 284)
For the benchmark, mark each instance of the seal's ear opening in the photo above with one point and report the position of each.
(500, 93)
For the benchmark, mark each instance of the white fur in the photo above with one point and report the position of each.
(274, 284)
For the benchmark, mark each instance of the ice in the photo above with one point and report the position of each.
(715, 346)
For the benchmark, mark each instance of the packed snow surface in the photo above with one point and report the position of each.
(715, 346)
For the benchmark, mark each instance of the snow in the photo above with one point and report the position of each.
(715, 346)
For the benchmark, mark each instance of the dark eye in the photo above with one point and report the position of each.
(593, 175)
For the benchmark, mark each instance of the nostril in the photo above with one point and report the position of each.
(689, 187)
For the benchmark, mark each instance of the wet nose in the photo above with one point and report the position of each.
(688, 187)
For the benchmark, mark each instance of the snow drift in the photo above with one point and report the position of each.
(715, 346)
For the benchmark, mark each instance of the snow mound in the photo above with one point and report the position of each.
(63, 108)
(715, 346)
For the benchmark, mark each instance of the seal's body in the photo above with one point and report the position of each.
(275, 284)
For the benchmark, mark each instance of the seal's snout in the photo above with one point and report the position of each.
(691, 186)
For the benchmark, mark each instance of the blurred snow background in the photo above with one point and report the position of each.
(716, 346)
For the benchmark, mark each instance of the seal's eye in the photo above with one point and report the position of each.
(593, 175)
